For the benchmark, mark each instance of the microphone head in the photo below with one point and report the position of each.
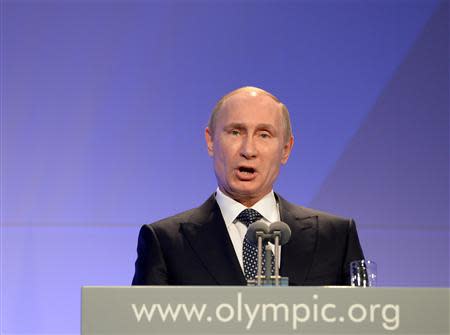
(255, 227)
(284, 230)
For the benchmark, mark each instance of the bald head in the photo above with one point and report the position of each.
(243, 94)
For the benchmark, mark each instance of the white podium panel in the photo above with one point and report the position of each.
(264, 310)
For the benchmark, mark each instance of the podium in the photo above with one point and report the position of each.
(264, 310)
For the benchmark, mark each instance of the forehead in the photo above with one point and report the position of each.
(250, 107)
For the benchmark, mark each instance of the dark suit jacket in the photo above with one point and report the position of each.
(194, 248)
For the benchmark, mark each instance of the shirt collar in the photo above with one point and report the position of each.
(230, 208)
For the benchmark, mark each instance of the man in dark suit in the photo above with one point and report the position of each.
(249, 137)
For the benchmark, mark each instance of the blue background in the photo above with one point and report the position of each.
(104, 105)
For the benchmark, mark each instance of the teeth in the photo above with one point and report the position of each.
(247, 171)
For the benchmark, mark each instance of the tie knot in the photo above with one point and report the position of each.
(248, 216)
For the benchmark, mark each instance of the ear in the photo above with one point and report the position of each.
(287, 148)
(209, 141)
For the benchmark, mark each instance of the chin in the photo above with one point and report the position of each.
(247, 191)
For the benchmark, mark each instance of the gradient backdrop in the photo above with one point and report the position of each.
(104, 104)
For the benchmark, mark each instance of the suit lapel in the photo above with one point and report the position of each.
(297, 255)
(207, 235)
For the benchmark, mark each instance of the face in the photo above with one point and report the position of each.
(248, 146)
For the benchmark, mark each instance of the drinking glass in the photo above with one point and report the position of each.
(363, 273)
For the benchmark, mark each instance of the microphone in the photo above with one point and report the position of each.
(280, 234)
(282, 229)
(257, 232)
(254, 229)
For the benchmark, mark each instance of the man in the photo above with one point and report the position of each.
(248, 137)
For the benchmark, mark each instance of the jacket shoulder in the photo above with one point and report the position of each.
(326, 216)
(302, 212)
(193, 215)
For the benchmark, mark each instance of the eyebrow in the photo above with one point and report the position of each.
(234, 125)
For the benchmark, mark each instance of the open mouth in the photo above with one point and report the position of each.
(246, 173)
(246, 170)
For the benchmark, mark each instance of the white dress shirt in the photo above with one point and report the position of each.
(230, 209)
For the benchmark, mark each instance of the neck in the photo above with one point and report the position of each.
(247, 201)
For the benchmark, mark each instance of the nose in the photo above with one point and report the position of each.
(248, 148)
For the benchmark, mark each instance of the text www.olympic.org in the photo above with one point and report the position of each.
(387, 315)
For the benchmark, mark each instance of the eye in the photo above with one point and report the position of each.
(264, 135)
(235, 132)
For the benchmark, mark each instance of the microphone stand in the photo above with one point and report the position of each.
(268, 256)
(277, 257)
(259, 235)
